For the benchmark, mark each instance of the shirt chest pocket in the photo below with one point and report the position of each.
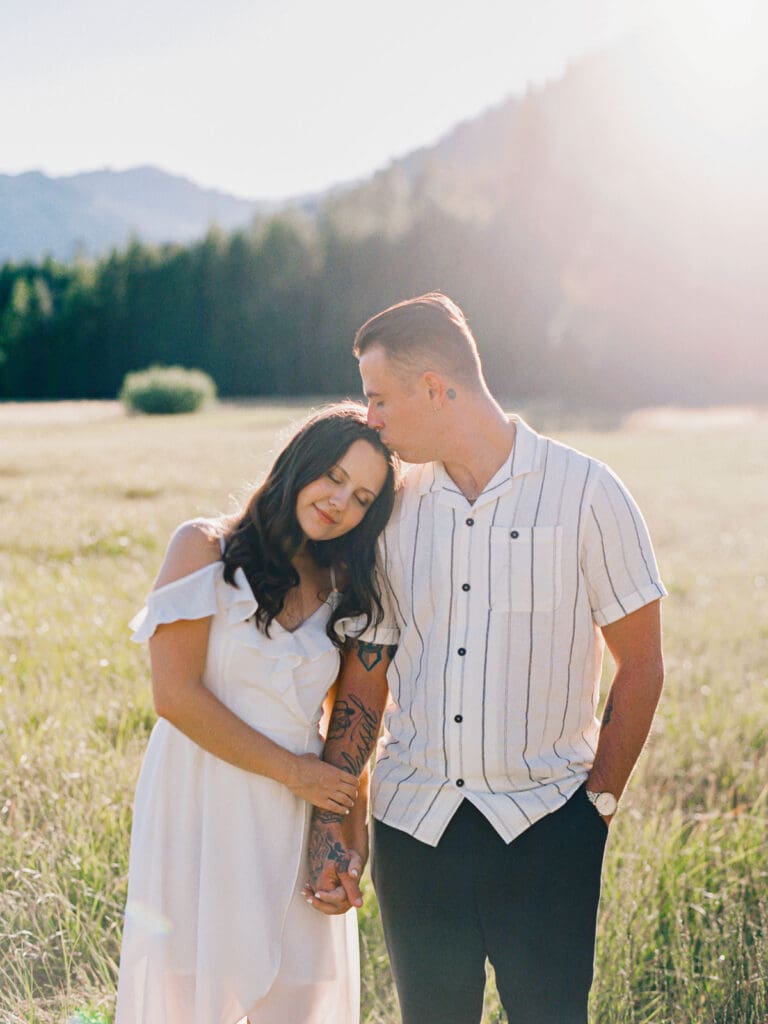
(526, 568)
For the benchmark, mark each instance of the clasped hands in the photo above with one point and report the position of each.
(335, 866)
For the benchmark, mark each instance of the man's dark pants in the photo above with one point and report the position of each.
(530, 906)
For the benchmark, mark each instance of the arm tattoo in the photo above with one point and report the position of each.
(608, 712)
(369, 655)
(327, 817)
(324, 847)
(353, 719)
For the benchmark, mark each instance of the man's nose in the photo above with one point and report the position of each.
(373, 420)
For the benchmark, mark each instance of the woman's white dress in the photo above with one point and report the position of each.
(216, 927)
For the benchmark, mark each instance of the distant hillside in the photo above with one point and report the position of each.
(614, 224)
(99, 210)
(605, 233)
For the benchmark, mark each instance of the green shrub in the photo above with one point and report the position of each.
(167, 389)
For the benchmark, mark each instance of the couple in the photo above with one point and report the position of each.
(475, 625)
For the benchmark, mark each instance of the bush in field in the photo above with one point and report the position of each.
(167, 389)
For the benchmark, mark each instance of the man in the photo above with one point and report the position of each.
(508, 560)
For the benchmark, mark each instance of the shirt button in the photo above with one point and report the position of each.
(462, 651)
(459, 782)
(514, 535)
(458, 718)
(465, 586)
(470, 522)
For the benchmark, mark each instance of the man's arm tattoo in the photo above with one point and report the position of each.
(352, 719)
(608, 712)
(324, 847)
(369, 655)
(327, 817)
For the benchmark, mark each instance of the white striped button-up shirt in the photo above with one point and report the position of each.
(495, 608)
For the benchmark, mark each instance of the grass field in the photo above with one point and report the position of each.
(87, 501)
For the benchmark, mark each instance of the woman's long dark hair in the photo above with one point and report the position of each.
(267, 535)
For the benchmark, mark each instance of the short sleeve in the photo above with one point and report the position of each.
(190, 597)
(616, 552)
(387, 632)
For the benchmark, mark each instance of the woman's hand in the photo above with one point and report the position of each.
(322, 785)
(333, 886)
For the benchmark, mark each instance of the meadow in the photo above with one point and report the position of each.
(88, 498)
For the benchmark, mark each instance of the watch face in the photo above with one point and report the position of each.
(606, 804)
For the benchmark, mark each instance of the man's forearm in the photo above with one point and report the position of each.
(355, 824)
(635, 643)
(626, 723)
(333, 837)
(356, 717)
(352, 734)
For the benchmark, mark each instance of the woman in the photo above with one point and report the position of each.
(245, 623)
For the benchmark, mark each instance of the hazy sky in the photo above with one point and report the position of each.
(270, 98)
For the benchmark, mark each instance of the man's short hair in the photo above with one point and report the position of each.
(428, 332)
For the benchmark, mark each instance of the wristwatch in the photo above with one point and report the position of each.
(604, 803)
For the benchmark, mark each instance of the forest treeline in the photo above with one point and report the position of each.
(603, 256)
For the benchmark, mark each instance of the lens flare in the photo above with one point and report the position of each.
(150, 919)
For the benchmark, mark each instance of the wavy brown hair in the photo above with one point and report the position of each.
(264, 539)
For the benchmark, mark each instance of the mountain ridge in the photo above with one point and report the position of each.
(94, 211)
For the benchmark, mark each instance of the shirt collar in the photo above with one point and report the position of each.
(526, 457)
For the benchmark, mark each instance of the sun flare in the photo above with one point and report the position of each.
(721, 45)
(707, 90)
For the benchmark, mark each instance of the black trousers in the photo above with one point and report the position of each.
(530, 906)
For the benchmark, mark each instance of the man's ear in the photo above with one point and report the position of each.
(436, 388)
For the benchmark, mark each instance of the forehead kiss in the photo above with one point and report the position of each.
(362, 469)
(400, 407)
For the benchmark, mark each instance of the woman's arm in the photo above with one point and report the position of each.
(178, 653)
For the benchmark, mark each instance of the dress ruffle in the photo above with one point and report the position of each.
(307, 643)
(195, 596)
(200, 594)
(190, 597)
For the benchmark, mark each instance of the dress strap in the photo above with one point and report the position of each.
(333, 579)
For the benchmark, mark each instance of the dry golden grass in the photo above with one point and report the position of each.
(88, 498)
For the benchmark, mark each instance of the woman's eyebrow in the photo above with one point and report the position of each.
(341, 469)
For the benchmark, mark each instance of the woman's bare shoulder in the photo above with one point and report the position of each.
(194, 545)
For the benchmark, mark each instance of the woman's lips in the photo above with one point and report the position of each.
(328, 520)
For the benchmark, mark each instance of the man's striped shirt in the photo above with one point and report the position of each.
(495, 608)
